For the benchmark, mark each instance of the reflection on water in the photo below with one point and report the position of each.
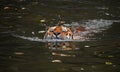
(23, 24)
(61, 49)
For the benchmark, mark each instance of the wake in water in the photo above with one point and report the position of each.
(92, 27)
(46, 40)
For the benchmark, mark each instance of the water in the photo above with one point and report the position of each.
(23, 49)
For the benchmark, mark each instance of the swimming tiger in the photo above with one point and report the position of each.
(58, 32)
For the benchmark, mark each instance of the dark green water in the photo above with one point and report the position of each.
(20, 25)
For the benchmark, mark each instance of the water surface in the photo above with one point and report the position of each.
(23, 49)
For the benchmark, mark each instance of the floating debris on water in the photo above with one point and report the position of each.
(107, 13)
(82, 69)
(19, 16)
(42, 20)
(57, 61)
(33, 33)
(23, 8)
(86, 46)
(41, 31)
(5, 8)
(108, 63)
(62, 55)
(18, 53)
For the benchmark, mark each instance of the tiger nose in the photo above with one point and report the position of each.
(56, 33)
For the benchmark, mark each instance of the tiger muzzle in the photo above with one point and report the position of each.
(56, 34)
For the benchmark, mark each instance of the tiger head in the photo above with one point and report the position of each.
(59, 33)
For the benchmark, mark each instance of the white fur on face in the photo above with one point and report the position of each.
(68, 37)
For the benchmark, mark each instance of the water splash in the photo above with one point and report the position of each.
(96, 25)
(91, 28)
